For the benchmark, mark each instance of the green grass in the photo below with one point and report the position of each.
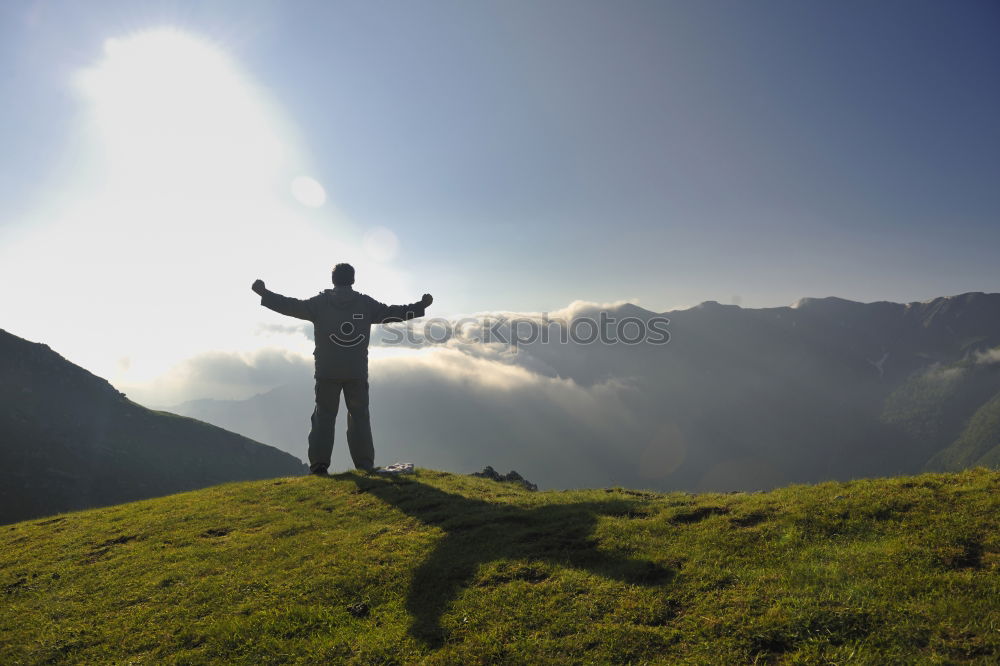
(442, 568)
(978, 444)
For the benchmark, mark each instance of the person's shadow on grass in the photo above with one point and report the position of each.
(478, 532)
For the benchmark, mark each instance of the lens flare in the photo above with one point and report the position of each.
(381, 244)
(308, 192)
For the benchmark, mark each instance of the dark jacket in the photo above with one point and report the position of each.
(342, 319)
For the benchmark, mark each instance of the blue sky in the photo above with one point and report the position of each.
(527, 154)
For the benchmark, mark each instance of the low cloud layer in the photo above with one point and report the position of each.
(222, 376)
(988, 357)
(439, 407)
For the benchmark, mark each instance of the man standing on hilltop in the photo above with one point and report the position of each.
(342, 320)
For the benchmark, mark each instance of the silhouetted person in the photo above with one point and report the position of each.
(342, 319)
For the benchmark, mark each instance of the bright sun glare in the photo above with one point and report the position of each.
(172, 106)
(194, 187)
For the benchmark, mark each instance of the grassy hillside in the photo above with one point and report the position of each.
(979, 443)
(951, 413)
(454, 569)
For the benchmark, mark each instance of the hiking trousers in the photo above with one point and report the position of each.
(324, 417)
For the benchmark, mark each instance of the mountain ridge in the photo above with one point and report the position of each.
(69, 439)
(739, 399)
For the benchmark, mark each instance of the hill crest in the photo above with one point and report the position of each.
(455, 569)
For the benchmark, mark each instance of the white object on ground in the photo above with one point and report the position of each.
(397, 468)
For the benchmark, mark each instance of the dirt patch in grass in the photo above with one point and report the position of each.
(699, 514)
(750, 519)
(103, 548)
(506, 573)
(966, 553)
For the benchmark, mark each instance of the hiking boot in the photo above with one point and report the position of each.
(318, 471)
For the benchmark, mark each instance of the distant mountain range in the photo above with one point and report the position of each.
(739, 399)
(69, 440)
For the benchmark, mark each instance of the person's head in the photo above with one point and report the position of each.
(343, 275)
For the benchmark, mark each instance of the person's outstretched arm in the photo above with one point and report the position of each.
(385, 314)
(291, 307)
